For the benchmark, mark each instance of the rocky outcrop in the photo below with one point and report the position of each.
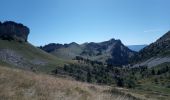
(13, 31)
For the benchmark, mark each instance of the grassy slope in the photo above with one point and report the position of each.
(155, 86)
(17, 84)
(147, 88)
(67, 53)
(30, 52)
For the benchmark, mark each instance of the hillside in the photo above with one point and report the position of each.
(155, 53)
(111, 52)
(66, 51)
(26, 56)
(15, 51)
(24, 85)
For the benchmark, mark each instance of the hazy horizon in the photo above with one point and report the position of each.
(134, 22)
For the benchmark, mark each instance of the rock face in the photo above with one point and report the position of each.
(13, 31)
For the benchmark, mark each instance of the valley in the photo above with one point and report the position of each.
(91, 71)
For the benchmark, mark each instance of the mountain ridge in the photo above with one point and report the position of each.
(108, 52)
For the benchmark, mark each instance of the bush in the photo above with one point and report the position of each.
(120, 82)
(130, 83)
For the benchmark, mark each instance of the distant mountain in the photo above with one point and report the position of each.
(136, 48)
(156, 53)
(111, 52)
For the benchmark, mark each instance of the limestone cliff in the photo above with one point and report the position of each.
(13, 31)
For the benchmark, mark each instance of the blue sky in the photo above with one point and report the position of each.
(65, 21)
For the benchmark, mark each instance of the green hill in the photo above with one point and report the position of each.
(26, 56)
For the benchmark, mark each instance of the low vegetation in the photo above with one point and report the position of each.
(154, 80)
(24, 85)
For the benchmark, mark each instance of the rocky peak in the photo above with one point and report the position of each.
(112, 40)
(74, 43)
(71, 44)
(13, 31)
(51, 47)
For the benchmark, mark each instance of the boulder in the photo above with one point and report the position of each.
(13, 31)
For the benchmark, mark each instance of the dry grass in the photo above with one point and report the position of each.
(23, 85)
